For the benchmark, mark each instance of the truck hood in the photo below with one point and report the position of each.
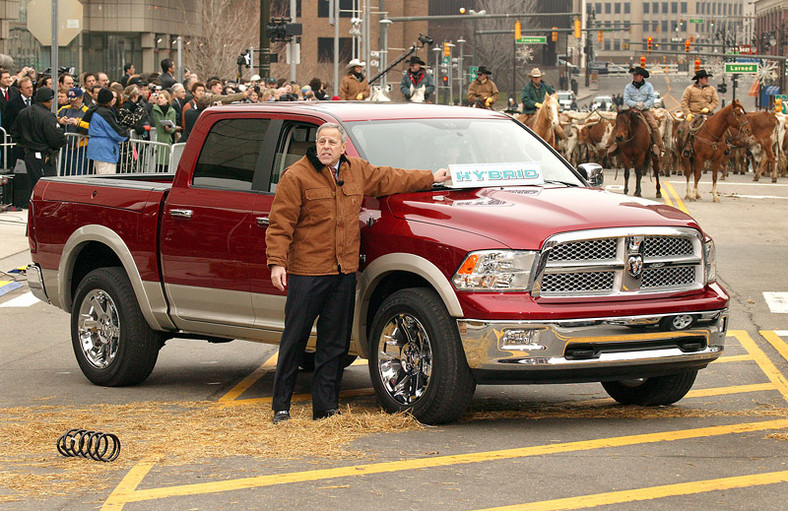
(524, 217)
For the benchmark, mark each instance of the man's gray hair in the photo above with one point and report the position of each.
(333, 126)
(177, 87)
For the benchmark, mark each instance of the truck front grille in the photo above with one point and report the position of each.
(620, 262)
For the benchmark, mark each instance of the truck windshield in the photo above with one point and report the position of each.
(436, 143)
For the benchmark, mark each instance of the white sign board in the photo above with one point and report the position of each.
(69, 19)
(475, 175)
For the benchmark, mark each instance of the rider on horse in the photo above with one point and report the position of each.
(639, 95)
(483, 89)
(533, 93)
(416, 77)
(698, 99)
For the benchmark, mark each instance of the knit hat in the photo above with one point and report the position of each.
(44, 94)
(104, 97)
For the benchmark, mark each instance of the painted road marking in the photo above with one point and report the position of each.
(679, 202)
(6, 286)
(777, 301)
(766, 365)
(438, 461)
(297, 397)
(25, 300)
(774, 339)
(720, 183)
(128, 485)
(250, 380)
(732, 358)
(655, 492)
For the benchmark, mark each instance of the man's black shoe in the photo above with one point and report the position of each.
(281, 416)
(322, 414)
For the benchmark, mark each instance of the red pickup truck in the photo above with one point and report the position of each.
(531, 275)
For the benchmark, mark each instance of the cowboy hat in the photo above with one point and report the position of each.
(639, 71)
(701, 74)
(354, 63)
(535, 73)
(416, 60)
(483, 71)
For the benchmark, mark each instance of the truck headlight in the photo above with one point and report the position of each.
(495, 270)
(709, 261)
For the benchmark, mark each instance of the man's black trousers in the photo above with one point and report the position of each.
(331, 299)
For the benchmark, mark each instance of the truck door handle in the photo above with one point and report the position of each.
(181, 213)
(262, 221)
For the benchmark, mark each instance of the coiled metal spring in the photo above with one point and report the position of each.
(89, 444)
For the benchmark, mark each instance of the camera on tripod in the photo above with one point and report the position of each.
(280, 29)
(425, 39)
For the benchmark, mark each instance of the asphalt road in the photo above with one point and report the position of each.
(196, 434)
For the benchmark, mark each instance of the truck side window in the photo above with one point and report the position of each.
(230, 154)
(297, 139)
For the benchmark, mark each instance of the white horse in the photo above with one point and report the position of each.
(418, 94)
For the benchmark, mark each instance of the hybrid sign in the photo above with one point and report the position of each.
(475, 175)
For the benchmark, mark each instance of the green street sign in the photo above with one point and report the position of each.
(534, 39)
(696, 20)
(473, 72)
(446, 60)
(739, 68)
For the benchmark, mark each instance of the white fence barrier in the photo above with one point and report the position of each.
(136, 157)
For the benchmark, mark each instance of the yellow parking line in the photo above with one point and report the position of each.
(654, 492)
(679, 202)
(250, 380)
(777, 342)
(444, 461)
(766, 365)
(736, 389)
(128, 485)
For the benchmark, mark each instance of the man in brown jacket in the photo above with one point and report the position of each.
(483, 89)
(354, 84)
(314, 235)
(700, 98)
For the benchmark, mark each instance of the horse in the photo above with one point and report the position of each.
(710, 145)
(634, 148)
(418, 94)
(546, 123)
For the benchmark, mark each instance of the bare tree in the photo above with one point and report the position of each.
(227, 30)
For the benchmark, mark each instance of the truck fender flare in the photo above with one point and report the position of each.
(410, 263)
(148, 296)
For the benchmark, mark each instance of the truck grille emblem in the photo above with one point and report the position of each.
(635, 266)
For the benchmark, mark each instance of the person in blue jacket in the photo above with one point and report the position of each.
(105, 133)
(639, 95)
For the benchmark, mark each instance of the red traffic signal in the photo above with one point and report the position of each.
(687, 45)
(649, 41)
(643, 61)
(697, 65)
(445, 79)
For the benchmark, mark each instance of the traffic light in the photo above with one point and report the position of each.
(445, 79)
(555, 34)
(446, 50)
(697, 65)
(649, 42)
(577, 29)
(643, 61)
(722, 87)
(517, 30)
(600, 37)
(280, 29)
(687, 45)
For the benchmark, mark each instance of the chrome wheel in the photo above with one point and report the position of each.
(98, 328)
(404, 359)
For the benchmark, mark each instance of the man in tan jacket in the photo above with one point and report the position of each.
(483, 90)
(314, 235)
(354, 84)
(700, 98)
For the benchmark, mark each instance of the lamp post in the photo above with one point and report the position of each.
(437, 51)
(460, 70)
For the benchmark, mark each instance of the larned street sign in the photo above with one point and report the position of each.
(533, 39)
(740, 68)
(696, 20)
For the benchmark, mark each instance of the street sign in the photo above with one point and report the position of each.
(745, 49)
(69, 19)
(473, 72)
(533, 39)
(446, 60)
(696, 20)
(740, 68)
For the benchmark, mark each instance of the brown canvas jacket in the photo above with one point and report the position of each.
(350, 88)
(314, 224)
(694, 99)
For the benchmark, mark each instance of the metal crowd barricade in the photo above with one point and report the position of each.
(136, 156)
(8, 145)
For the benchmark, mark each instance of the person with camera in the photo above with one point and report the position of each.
(69, 117)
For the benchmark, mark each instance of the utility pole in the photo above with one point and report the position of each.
(265, 44)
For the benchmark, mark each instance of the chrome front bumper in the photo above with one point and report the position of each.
(35, 281)
(592, 349)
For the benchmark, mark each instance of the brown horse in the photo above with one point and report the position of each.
(545, 121)
(710, 145)
(634, 148)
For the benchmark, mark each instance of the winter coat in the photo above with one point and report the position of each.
(314, 227)
(482, 91)
(417, 80)
(696, 98)
(532, 95)
(351, 87)
(105, 134)
(634, 95)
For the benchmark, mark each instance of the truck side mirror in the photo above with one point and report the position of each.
(593, 173)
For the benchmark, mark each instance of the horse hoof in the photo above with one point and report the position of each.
(716, 199)
(659, 195)
(774, 180)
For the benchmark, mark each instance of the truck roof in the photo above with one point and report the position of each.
(363, 110)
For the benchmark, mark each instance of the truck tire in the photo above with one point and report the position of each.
(661, 390)
(308, 361)
(112, 341)
(416, 360)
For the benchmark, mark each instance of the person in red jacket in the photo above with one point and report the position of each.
(314, 235)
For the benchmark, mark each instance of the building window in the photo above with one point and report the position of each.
(607, 44)
(607, 7)
(664, 26)
(626, 8)
(646, 6)
(345, 8)
(598, 7)
(683, 7)
(325, 49)
(617, 45)
(617, 8)
(674, 7)
(664, 7)
(655, 26)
